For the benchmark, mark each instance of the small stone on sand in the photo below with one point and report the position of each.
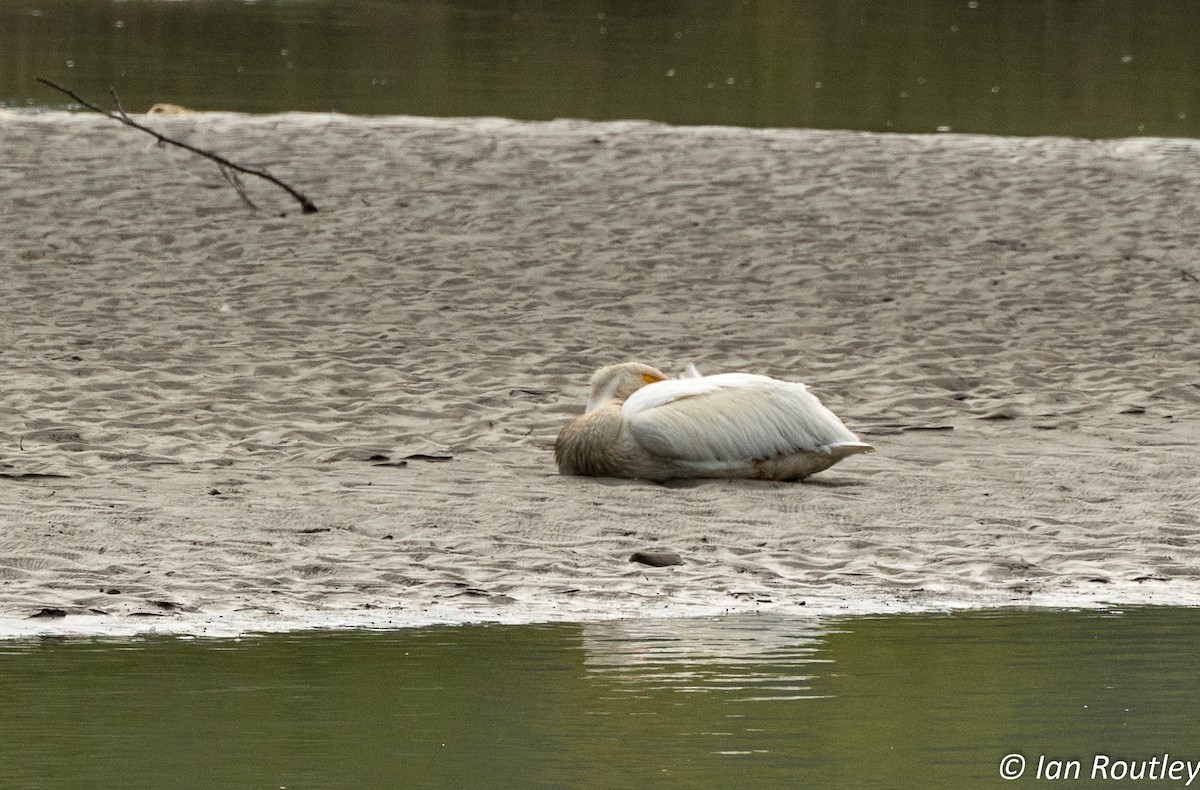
(657, 559)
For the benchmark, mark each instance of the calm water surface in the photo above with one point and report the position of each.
(1094, 68)
(748, 702)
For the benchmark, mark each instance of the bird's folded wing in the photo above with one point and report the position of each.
(730, 417)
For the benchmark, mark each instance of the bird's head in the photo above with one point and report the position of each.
(618, 382)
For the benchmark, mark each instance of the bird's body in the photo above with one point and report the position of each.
(639, 423)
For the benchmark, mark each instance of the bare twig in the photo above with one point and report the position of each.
(117, 101)
(235, 181)
(306, 205)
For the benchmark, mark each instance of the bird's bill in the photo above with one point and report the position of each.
(650, 378)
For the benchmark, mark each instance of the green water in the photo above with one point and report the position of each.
(746, 702)
(1096, 68)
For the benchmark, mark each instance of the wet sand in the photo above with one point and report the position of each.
(214, 419)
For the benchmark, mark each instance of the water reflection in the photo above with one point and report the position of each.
(1116, 68)
(920, 701)
(754, 660)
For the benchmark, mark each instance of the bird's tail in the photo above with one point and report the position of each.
(842, 450)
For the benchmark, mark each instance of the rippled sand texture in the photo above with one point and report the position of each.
(214, 414)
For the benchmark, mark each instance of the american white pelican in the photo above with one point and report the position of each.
(166, 108)
(640, 423)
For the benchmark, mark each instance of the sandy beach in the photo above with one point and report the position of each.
(214, 419)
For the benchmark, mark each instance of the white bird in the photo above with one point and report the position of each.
(640, 423)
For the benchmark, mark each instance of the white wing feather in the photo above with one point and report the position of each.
(731, 417)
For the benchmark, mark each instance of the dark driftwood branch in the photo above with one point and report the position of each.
(226, 166)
